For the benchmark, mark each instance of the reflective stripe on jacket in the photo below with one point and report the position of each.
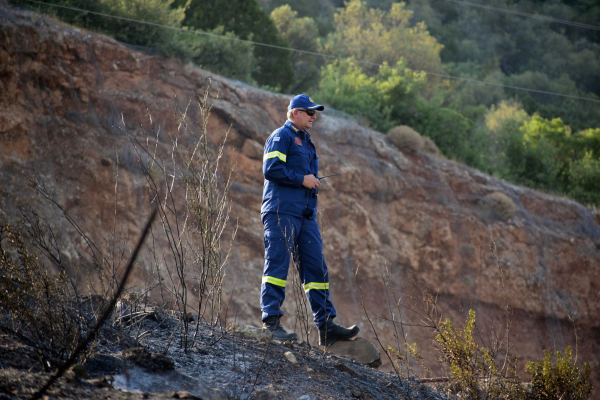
(289, 155)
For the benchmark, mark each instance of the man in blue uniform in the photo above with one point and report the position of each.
(289, 210)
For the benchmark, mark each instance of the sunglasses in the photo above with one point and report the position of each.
(310, 113)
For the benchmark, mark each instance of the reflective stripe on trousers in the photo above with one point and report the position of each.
(286, 235)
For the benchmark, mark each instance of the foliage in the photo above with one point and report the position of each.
(506, 111)
(231, 58)
(345, 86)
(534, 166)
(448, 129)
(555, 132)
(318, 10)
(561, 379)
(301, 34)
(376, 36)
(474, 370)
(542, 153)
(584, 179)
(501, 131)
(406, 138)
(548, 150)
(500, 48)
(586, 141)
(248, 21)
(153, 11)
(478, 373)
(391, 98)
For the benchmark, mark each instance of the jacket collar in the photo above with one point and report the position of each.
(305, 135)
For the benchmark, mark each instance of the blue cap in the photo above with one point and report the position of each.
(303, 101)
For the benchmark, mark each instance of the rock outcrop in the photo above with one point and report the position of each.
(394, 225)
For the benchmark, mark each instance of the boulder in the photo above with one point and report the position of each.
(360, 350)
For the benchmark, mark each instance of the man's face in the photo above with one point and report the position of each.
(303, 120)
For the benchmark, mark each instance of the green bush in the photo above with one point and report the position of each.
(474, 370)
(230, 58)
(584, 179)
(559, 380)
(479, 372)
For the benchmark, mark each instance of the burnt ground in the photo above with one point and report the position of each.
(145, 359)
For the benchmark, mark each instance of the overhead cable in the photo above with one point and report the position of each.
(522, 14)
(318, 54)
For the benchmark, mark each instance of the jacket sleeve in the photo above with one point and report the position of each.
(275, 161)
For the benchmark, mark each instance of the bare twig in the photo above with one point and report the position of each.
(108, 310)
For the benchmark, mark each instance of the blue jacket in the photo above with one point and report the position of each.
(289, 156)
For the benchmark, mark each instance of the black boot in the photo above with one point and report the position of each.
(273, 325)
(330, 333)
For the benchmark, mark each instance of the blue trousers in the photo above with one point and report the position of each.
(287, 236)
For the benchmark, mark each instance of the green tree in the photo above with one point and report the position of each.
(301, 34)
(505, 112)
(248, 21)
(376, 36)
(321, 11)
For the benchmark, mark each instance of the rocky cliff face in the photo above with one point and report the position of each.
(405, 222)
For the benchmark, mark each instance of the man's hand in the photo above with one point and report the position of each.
(311, 182)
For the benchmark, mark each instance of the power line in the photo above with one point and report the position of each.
(522, 14)
(318, 54)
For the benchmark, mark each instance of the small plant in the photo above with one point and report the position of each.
(474, 369)
(559, 380)
(502, 205)
(406, 138)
